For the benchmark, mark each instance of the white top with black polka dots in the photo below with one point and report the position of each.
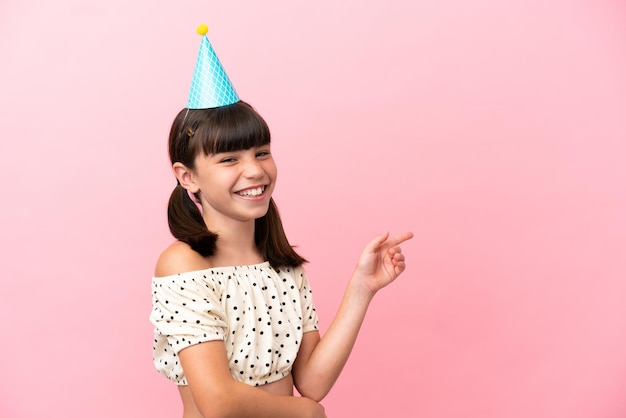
(259, 312)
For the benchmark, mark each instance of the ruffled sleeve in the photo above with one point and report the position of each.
(187, 310)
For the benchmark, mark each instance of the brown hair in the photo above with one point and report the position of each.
(223, 129)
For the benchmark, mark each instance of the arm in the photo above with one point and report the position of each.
(217, 394)
(320, 360)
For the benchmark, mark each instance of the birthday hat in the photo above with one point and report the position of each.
(210, 86)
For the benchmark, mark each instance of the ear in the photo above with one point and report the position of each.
(185, 177)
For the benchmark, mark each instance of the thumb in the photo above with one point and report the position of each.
(376, 242)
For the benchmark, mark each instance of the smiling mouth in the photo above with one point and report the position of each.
(253, 192)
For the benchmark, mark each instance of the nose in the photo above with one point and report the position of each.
(253, 169)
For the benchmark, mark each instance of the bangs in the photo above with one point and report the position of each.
(230, 128)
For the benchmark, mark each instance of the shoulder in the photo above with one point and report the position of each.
(179, 258)
(297, 274)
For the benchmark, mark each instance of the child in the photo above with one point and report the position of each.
(235, 324)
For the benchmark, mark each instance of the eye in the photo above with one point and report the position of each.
(228, 160)
(263, 153)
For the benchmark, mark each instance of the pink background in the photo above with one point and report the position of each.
(496, 131)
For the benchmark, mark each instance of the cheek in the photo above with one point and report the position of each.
(216, 183)
(272, 170)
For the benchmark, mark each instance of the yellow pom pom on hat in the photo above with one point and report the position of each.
(202, 29)
(210, 86)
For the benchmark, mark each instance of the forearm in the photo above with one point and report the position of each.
(217, 395)
(320, 372)
(236, 399)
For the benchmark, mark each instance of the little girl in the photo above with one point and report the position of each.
(235, 324)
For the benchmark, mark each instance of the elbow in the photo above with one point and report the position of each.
(314, 395)
(218, 405)
(215, 412)
(317, 397)
(212, 411)
(313, 388)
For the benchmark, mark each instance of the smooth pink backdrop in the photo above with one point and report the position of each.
(496, 131)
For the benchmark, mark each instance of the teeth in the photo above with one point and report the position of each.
(252, 192)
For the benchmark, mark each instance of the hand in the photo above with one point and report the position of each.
(382, 261)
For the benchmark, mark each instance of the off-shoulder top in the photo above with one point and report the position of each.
(259, 312)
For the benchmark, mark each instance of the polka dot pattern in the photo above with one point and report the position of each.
(259, 312)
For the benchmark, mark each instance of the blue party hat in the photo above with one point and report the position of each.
(210, 86)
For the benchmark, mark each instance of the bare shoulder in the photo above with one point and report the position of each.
(179, 258)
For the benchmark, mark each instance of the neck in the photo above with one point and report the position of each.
(235, 245)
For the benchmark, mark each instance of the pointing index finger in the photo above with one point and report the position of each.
(400, 238)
